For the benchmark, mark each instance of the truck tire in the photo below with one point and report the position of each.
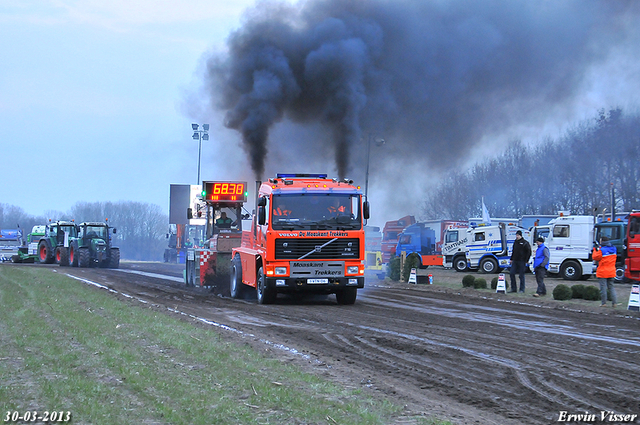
(346, 296)
(62, 256)
(265, 294)
(571, 270)
(73, 255)
(84, 259)
(620, 274)
(236, 287)
(460, 263)
(488, 265)
(114, 258)
(45, 252)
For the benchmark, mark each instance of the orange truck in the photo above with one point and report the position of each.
(307, 236)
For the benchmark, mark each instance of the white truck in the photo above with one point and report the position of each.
(454, 247)
(489, 247)
(570, 242)
(455, 239)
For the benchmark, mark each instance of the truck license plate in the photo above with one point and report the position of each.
(311, 281)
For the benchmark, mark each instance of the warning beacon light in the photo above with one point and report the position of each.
(224, 191)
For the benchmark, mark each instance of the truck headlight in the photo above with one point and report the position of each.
(281, 271)
(352, 269)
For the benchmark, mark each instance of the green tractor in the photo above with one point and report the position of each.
(93, 247)
(53, 247)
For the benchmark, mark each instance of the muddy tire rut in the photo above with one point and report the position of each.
(466, 357)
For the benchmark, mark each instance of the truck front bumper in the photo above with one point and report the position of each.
(327, 285)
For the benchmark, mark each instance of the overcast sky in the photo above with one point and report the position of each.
(97, 99)
(92, 98)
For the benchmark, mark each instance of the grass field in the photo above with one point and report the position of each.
(66, 346)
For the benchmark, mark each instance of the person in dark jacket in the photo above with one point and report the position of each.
(540, 266)
(519, 256)
(606, 256)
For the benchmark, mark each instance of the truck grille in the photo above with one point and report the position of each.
(293, 249)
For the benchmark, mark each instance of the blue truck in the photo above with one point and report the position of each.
(418, 239)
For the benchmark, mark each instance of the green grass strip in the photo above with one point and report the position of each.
(65, 346)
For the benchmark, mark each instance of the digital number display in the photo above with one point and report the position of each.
(225, 191)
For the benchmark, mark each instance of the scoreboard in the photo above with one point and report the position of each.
(224, 191)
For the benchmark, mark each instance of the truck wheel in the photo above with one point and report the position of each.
(114, 258)
(488, 265)
(73, 255)
(62, 256)
(236, 287)
(83, 257)
(571, 270)
(346, 296)
(265, 294)
(619, 274)
(45, 252)
(460, 264)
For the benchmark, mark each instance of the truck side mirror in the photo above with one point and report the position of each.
(189, 213)
(365, 208)
(114, 230)
(262, 215)
(262, 201)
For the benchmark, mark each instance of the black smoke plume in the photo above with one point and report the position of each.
(433, 76)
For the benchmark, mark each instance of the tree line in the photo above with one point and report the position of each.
(575, 173)
(141, 227)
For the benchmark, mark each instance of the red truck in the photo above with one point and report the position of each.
(307, 236)
(632, 260)
(390, 233)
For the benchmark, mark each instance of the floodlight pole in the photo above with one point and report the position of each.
(200, 135)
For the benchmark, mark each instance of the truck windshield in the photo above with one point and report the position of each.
(316, 211)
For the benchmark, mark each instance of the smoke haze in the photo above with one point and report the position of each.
(431, 77)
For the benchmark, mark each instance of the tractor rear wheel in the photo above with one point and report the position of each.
(114, 258)
(45, 252)
(73, 255)
(83, 257)
(62, 256)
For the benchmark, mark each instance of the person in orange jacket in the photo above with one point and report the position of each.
(605, 254)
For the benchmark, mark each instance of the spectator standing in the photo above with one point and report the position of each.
(606, 256)
(519, 256)
(540, 266)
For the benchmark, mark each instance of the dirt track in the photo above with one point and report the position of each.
(468, 356)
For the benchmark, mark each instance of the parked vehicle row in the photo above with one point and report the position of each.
(88, 244)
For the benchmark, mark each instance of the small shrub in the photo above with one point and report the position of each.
(411, 262)
(394, 268)
(591, 293)
(480, 283)
(562, 292)
(577, 291)
(468, 280)
(494, 283)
